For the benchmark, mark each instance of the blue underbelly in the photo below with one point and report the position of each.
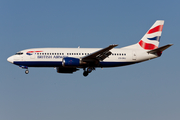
(59, 64)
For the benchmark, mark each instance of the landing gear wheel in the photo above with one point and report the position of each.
(27, 71)
(85, 73)
(89, 70)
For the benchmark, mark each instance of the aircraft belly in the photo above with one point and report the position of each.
(59, 63)
(39, 63)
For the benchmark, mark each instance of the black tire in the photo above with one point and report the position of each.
(27, 71)
(85, 73)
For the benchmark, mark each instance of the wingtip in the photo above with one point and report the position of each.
(114, 45)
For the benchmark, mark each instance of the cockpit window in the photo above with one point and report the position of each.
(19, 53)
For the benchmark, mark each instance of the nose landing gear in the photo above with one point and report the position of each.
(27, 71)
(24, 67)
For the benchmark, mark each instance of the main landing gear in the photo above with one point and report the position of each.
(87, 71)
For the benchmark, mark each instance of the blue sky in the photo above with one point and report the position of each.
(148, 90)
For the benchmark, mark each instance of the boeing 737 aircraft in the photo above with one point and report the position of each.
(69, 60)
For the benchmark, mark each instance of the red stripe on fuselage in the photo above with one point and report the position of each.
(38, 51)
(33, 51)
(156, 29)
(147, 46)
(30, 51)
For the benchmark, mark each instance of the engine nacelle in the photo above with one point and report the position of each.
(66, 70)
(69, 61)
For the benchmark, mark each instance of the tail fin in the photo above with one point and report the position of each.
(151, 39)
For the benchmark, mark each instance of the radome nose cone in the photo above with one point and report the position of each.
(10, 59)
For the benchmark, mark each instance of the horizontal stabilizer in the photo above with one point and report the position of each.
(160, 49)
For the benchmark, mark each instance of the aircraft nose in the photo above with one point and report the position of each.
(10, 59)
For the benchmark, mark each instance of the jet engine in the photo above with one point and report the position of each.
(70, 61)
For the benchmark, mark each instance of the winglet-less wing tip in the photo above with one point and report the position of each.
(114, 45)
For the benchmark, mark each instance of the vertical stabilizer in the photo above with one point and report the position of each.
(151, 39)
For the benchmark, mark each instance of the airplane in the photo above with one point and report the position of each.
(69, 60)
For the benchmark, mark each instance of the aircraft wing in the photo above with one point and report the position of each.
(99, 55)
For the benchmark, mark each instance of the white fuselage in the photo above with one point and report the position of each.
(52, 57)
